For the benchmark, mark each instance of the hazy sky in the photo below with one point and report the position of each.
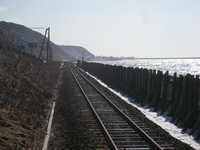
(139, 28)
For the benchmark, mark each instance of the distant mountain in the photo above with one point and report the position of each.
(77, 52)
(22, 36)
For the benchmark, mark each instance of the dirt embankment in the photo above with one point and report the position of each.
(27, 88)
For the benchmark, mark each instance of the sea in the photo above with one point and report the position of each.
(181, 66)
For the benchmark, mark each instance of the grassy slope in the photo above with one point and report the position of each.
(27, 86)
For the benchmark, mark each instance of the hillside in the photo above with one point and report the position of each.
(27, 91)
(77, 51)
(20, 35)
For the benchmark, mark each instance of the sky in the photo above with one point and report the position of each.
(131, 28)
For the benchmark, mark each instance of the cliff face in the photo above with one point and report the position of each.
(19, 35)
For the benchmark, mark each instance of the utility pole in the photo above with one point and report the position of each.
(46, 41)
(83, 56)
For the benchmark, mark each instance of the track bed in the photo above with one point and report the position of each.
(110, 123)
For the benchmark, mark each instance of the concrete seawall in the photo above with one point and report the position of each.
(178, 96)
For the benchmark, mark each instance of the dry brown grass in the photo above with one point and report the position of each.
(26, 94)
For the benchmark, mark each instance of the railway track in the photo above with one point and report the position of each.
(113, 127)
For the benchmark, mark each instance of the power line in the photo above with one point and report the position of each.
(36, 27)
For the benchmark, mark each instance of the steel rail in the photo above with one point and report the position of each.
(147, 138)
(108, 137)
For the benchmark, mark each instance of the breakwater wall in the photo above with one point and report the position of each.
(176, 95)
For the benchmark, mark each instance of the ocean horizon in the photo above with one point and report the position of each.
(179, 65)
